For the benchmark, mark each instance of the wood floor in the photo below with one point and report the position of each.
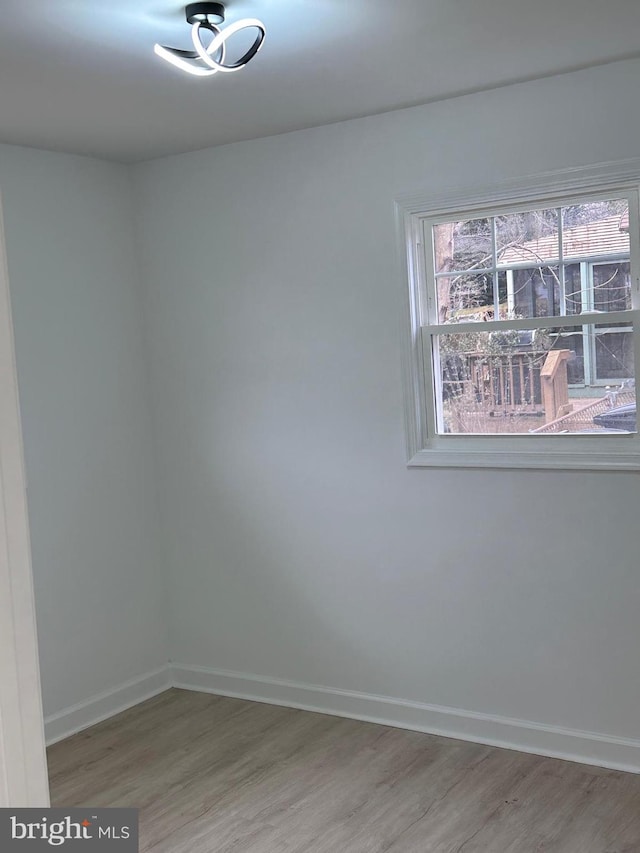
(215, 775)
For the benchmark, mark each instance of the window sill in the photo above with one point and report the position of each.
(558, 459)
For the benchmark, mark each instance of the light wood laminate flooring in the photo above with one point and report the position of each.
(218, 775)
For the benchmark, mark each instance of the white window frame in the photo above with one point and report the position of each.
(427, 448)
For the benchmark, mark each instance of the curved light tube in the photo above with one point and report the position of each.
(182, 58)
(182, 63)
(218, 42)
(212, 48)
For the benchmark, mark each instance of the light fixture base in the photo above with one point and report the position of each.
(211, 13)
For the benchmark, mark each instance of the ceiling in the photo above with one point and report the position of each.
(81, 76)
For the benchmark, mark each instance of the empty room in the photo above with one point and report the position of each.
(319, 459)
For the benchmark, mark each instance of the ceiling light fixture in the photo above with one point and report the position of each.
(208, 59)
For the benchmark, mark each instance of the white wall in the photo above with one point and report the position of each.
(302, 548)
(94, 526)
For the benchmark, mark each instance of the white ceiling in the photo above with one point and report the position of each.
(80, 75)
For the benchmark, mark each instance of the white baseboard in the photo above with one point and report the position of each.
(523, 735)
(97, 708)
(572, 745)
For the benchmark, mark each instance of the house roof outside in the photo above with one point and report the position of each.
(609, 236)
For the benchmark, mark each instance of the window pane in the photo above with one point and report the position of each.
(611, 286)
(465, 298)
(534, 292)
(573, 340)
(463, 245)
(530, 237)
(573, 288)
(525, 381)
(613, 354)
(595, 228)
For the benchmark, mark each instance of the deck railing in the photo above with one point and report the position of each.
(529, 384)
(555, 384)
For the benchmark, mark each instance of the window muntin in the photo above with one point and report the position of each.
(517, 272)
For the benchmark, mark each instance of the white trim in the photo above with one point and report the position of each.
(604, 176)
(438, 456)
(585, 747)
(425, 448)
(523, 735)
(107, 704)
(23, 767)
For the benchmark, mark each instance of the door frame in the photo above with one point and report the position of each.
(23, 766)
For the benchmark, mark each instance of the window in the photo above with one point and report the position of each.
(523, 306)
